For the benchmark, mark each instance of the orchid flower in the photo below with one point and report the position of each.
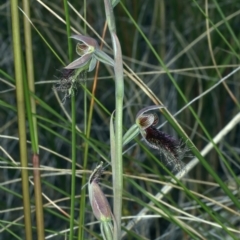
(172, 149)
(89, 52)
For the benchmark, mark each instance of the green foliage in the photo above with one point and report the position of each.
(176, 54)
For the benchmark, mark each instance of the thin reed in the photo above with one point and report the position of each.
(119, 119)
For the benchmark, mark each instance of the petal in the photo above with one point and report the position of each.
(156, 119)
(87, 40)
(99, 203)
(149, 108)
(80, 62)
(103, 57)
(92, 64)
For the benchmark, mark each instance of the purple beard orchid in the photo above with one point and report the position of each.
(172, 149)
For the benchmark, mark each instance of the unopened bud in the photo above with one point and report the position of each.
(98, 201)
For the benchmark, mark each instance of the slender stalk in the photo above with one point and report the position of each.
(38, 197)
(73, 181)
(73, 116)
(84, 179)
(70, 48)
(31, 111)
(85, 156)
(21, 117)
(119, 93)
(30, 71)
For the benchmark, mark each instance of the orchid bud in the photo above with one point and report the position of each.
(99, 203)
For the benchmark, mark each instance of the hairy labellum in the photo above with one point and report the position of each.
(65, 82)
(63, 85)
(172, 149)
(68, 82)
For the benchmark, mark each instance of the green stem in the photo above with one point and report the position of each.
(117, 168)
(30, 73)
(73, 180)
(84, 179)
(73, 116)
(85, 156)
(70, 48)
(21, 117)
(31, 112)
(38, 197)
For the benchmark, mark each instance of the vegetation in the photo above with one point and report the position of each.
(163, 131)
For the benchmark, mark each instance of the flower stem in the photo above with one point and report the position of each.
(119, 93)
(73, 116)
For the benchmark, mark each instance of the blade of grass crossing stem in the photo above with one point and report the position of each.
(49, 109)
(176, 126)
(21, 117)
(73, 130)
(7, 76)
